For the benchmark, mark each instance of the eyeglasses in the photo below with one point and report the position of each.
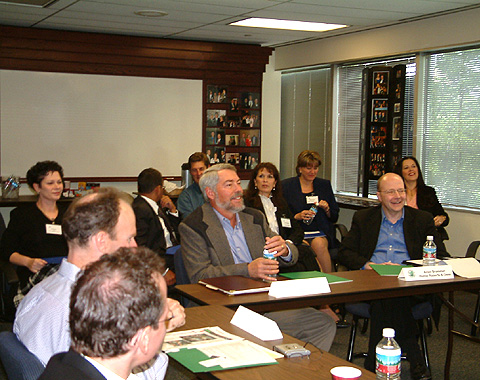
(393, 191)
(166, 320)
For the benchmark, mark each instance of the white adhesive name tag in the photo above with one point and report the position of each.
(312, 199)
(53, 229)
(286, 223)
(298, 288)
(434, 272)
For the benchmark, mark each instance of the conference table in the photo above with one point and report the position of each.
(317, 366)
(365, 285)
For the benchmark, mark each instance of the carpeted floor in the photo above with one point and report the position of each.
(466, 355)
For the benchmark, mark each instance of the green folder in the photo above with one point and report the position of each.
(388, 270)
(191, 358)
(332, 279)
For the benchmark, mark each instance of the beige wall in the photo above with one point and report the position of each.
(443, 31)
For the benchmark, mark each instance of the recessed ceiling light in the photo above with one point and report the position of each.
(150, 13)
(287, 24)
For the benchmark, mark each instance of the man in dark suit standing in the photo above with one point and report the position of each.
(156, 228)
(390, 234)
(129, 286)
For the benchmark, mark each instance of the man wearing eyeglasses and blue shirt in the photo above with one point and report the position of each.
(390, 234)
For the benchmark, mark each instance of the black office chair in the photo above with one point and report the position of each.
(472, 252)
(361, 310)
(182, 277)
(19, 363)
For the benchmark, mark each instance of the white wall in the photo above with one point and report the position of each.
(443, 31)
(271, 113)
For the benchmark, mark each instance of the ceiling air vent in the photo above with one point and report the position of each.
(30, 3)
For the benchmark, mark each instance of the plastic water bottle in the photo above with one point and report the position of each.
(270, 256)
(429, 251)
(388, 357)
(314, 209)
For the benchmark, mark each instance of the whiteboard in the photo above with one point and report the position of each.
(98, 125)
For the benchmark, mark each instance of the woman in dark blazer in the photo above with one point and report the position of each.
(304, 190)
(264, 194)
(421, 196)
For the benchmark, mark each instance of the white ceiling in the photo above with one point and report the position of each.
(208, 19)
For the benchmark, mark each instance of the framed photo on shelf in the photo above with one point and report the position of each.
(250, 119)
(248, 160)
(251, 100)
(217, 94)
(216, 118)
(249, 137)
(378, 137)
(231, 140)
(380, 83)
(396, 128)
(380, 110)
(233, 158)
(234, 121)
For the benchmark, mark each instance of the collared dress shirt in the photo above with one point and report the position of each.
(41, 321)
(391, 242)
(190, 199)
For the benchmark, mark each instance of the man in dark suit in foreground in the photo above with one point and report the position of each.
(156, 228)
(390, 234)
(118, 315)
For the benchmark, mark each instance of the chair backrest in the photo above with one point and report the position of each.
(19, 363)
(472, 249)
(180, 271)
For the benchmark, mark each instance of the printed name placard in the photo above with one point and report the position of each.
(434, 272)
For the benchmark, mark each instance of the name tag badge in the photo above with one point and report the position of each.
(311, 199)
(286, 223)
(54, 229)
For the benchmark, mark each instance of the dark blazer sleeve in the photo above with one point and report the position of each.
(149, 230)
(295, 232)
(358, 246)
(417, 225)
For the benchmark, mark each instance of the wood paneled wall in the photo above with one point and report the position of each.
(94, 53)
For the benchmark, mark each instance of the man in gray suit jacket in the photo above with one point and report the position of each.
(224, 238)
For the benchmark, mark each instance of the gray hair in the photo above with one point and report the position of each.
(210, 178)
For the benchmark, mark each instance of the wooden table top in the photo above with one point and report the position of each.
(365, 285)
(316, 367)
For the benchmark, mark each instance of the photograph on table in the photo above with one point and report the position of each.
(248, 160)
(250, 119)
(216, 118)
(380, 83)
(251, 100)
(233, 158)
(380, 110)
(232, 140)
(249, 137)
(217, 94)
(378, 137)
(396, 128)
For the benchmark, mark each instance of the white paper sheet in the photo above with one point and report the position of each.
(256, 324)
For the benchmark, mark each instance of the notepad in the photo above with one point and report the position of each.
(388, 270)
(235, 285)
(332, 279)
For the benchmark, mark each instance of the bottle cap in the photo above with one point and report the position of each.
(429, 237)
(388, 332)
